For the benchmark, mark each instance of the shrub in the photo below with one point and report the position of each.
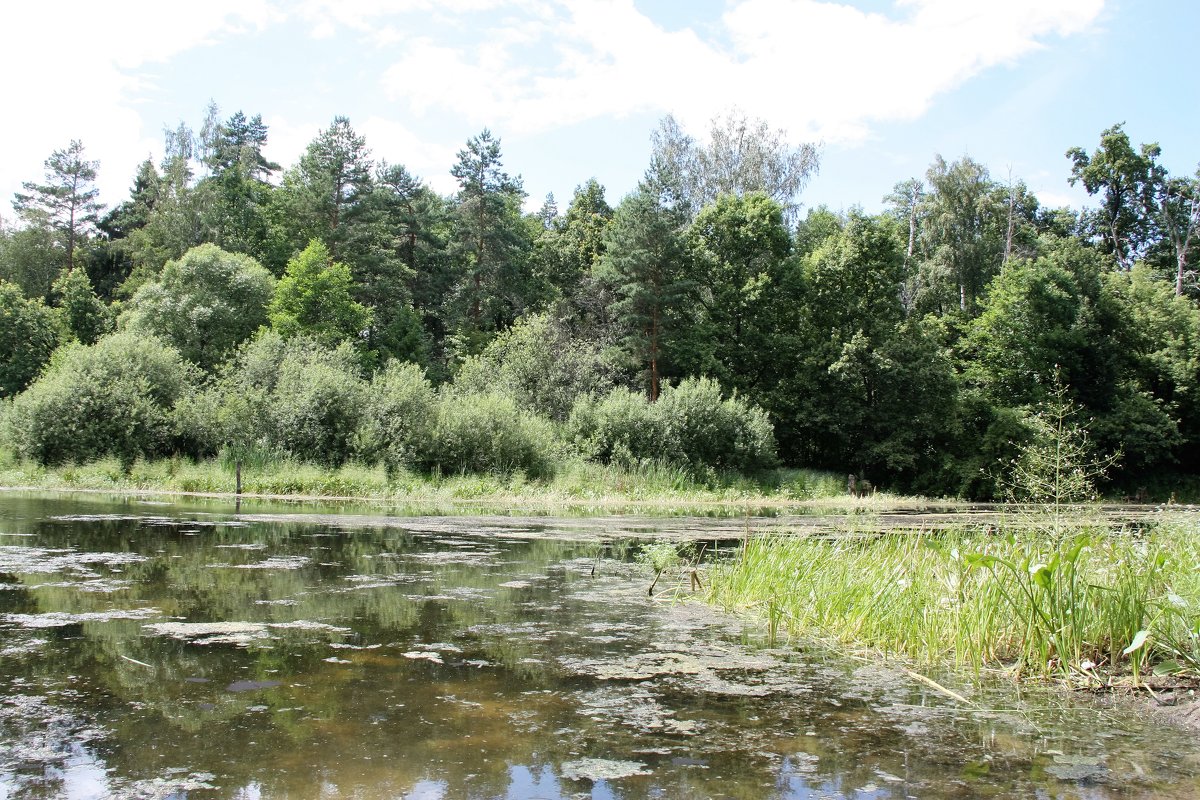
(706, 431)
(317, 404)
(295, 398)
(115, 398)
(29, 333)
(620, 428)
(399, 417)
(489, 433)
(690, 426)
(541, 364)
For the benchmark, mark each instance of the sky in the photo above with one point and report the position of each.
(574, 89)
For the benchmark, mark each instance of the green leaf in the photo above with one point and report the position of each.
(1077, 548)
(1139, 641)
(1042, 575)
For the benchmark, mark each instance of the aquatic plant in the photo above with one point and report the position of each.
(979, 599)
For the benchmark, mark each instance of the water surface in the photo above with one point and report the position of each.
(153, 650)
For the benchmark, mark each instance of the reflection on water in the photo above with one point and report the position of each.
(154, 651)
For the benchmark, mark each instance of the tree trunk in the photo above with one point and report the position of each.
(1008, 237)
(654, 356)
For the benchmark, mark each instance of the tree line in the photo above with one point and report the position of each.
(913, 346)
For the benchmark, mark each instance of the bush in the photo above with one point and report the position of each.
(399, 417)
(541, 364)
(29, 333)
(489, 433)
(295, 398)
(691, 426)
(115, 398)
(317, 405)
(620, 428)
(706, 431)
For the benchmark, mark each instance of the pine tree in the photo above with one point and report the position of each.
(67, 201)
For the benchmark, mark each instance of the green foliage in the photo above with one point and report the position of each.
(541, 365)
(1057, 466)
(29, 333)
(329, 186)
(1044, 318)
(621, 428)
(296, 398)
(569, 248)
(741, 156)
(31, 258)
(645, 263)
(691, 426)
(115, 397)
(489, 433)
(317, 405)
(313, 300)
(978, 601)
(906, 347)
(707, 431)
(738, 245)
(66, 202)
(85, 315)
(205, 304)
(1126, 180)
(960, 235)
(398, 419)
(490, 241)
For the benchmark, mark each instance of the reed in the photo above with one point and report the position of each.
(574, 482)
(1012, 599)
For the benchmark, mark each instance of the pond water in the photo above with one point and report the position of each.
(153, 650)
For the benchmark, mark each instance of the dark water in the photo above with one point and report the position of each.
(150, 650)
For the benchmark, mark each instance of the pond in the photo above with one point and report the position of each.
(155, 650)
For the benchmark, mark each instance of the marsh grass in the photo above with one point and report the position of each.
(1070, 607)
(574, 482)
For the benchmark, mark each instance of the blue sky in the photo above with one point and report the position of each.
(574, 89)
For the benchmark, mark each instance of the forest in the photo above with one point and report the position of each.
(339, 310)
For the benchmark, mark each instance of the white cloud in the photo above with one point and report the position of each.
(820, 69)
(75, 69)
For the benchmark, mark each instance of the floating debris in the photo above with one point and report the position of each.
(39, 560)
(417, 655)
(275, 562)
(237, 633)
(601, 769)
(1077, 768)
(59, 619)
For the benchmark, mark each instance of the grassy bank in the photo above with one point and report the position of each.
(574, 483)
(1087, 604)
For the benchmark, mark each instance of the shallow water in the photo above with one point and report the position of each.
(151, 650)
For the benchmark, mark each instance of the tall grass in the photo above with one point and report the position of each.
(1018, 600)
(574, 481)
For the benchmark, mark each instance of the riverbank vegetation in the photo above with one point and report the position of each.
(341, 312)
(1043, 591)
(1093, 605)
(576, 485)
